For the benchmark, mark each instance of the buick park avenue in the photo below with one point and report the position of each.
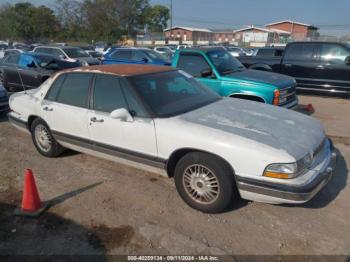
(161, 119)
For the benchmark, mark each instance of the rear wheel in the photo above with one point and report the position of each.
(43, 140)
(204, 182)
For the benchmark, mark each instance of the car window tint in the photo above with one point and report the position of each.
(108, 94)
(25, 60)
(266, 52)
(192, 64)
(12, 59)
(301, 52)
(74, 90)
(134, 103)
(334, 53)
(54, 89)
(56, 52)
(121, 54)
(137, 55)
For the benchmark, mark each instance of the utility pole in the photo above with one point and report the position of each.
(171, 18)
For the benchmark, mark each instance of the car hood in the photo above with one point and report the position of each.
(259, 76)
(279, 128)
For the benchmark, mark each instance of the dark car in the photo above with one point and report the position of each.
(134, 56)
(4, 100)
(321, 68)
(29, 70)
(69, 53)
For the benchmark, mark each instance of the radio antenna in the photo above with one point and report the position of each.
(20, 78)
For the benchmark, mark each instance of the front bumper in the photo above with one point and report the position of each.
(279, 193)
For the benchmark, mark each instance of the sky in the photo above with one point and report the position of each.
(332, 16)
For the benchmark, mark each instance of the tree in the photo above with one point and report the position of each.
(156, 18)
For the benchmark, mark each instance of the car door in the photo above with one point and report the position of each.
(65, 108)
(29, 71)
(194, 64)
(133, 140)
(334, 72)
(10, 71)
(139, 57)
(302, 62)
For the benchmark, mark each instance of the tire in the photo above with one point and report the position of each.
(216, 177)
(43, 139)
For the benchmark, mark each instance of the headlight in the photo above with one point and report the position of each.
(291, 170)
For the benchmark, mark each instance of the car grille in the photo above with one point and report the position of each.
(287, 95)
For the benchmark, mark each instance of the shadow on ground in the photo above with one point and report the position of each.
(46, 238)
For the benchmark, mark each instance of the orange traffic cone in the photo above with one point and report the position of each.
(31, 203)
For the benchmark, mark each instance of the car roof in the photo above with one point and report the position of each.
(123, 69)
(203, 48)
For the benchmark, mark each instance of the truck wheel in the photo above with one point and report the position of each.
(43, 140)
(204, 182)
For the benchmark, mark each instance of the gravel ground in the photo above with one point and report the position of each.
(100, 207)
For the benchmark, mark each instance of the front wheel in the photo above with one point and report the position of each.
(43, 140)
(204, 182)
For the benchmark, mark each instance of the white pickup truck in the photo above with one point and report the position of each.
(161, 119)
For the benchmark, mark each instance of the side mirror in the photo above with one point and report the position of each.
(145, 60)
(62, 56)
(122, 114)
(31, 65)
(206, 72)
(347, 60)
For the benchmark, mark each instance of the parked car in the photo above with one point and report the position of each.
(87, 47)
(165, 51)
(95, 54)
(4, 100)
(321, 68)
(69, 53)
(224, 74)
(212, 146)
(134, 56)
(235, 51)
(100, 46)
(29, 70)
(13, 52)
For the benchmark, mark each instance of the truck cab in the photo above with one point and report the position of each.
(224, 74)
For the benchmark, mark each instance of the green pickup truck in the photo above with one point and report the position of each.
(220, 71)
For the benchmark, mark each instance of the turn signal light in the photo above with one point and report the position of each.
(276, 175)
(276, 97)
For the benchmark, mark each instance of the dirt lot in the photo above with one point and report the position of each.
(100, 207)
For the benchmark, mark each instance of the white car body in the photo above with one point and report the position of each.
(247, 135)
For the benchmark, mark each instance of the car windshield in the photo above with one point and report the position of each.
(153, 55)
(172, 93)
(75, 52)
(225, 62)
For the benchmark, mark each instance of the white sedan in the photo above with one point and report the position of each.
(161, 119)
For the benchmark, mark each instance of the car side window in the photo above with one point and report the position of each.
(192, 64)
(56, 52)
(137, 55)
(12, 59)
(335, 54)
(25, 60)
(301, 52)
(74, 90)
(108, 94)
(55, 88)
(122, 54)
(135, 106)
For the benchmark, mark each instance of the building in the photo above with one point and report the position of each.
(188, 34)
(260, 36)
(298, 31)
(224, 36)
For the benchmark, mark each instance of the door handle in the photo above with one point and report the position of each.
(95, 120)
(288, 65)
(320, 67)
(46, 108)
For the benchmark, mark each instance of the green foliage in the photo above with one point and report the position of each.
(77, 20)
(156, 18)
